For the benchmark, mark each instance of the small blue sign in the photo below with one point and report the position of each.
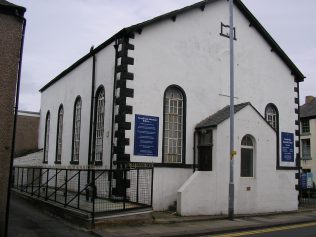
(146, 135)
(287, 146)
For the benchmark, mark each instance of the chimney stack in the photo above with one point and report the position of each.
(309, 99)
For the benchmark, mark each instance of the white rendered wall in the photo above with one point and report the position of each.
(190, 53)
(270, 189)
(64, 91)
(166, 184)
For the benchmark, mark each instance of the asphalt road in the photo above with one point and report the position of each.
(299, 230)
(27, 221)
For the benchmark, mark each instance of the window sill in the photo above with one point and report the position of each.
(74, 162)
(307, 158)
(57, 162)
(45, 162)
(303, 134)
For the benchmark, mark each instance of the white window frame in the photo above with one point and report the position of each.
(305, 126)
(173, 125)
(99, 126)
(306, 149)
(272, 116)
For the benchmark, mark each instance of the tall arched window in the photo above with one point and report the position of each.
(99, 125)
(247, 156)
(272, 116)
(59, 137)
(46, 138)
(76, 131)
(174, 125)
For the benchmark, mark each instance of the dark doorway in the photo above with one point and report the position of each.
(205, 150)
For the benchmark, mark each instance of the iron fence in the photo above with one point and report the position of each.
(94, 191)
(308, 198)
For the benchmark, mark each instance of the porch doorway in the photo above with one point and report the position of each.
(205, 150)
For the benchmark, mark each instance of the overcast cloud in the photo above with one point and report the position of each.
(59, 32)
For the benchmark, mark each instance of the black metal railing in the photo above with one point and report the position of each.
(308, 198)
(93, 191)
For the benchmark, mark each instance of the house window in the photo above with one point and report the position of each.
(247, 157)
(272, 116)
(59, 136)
(173, 125)
(305, 126)
(99, 125)
(306, 149)
(46, 138)
(76, 131)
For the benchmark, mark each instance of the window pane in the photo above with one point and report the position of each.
(76, 132)
(246, 162)
(46, 137)
(59, 134)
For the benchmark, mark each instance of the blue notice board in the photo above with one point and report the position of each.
(146, 135)
(287, 143)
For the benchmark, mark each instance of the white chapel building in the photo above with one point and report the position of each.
(157, 93)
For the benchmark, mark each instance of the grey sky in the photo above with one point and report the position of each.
(59, 32)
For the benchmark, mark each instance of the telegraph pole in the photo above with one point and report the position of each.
(232, 152)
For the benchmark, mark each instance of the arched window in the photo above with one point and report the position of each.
(99, 125)
(76, 131)
(247, 156)
(46, 138)
(272, 116)
(59, 137)
(174, 124)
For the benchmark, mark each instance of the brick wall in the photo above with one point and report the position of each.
(10, 43)
(26, 140)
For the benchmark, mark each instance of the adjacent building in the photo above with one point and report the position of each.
(156, 93)
(11, 38)
(26, 138)
(308, 135)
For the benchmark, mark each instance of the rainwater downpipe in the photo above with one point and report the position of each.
(113, 116)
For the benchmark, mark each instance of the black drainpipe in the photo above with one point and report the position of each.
(14, 126)
(90, 155)
(91, 107)
(194, 150)
(113, 117)
(298, 161)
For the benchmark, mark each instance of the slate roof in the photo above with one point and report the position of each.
(308, 109)
(12, 9)
(138, 27)
(220, 116)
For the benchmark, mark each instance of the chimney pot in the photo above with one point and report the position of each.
(309, 99)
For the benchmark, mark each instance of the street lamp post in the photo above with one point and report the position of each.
(232, 152)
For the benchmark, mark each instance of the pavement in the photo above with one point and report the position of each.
(171, 225)
(26, 220)
(29, 221)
